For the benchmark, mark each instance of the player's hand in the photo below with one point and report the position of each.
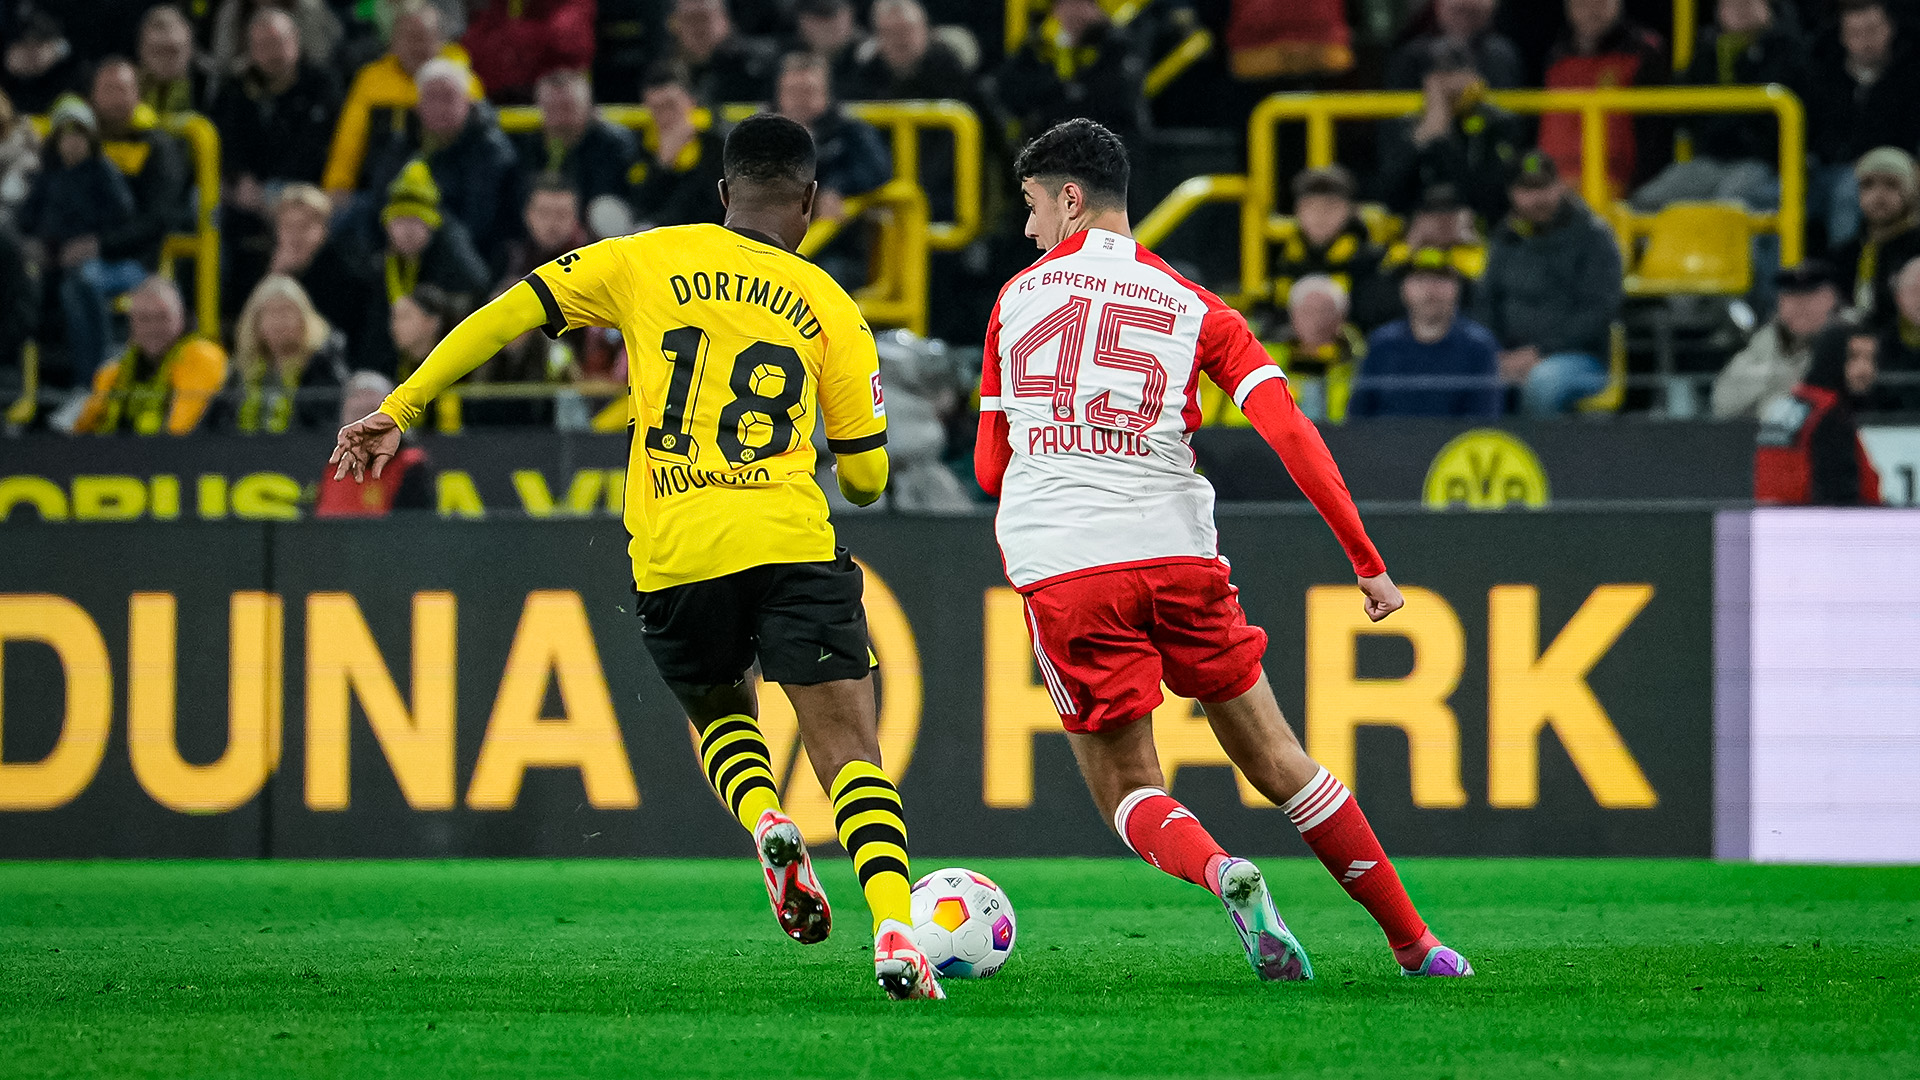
(364, 446)
(1383, 596)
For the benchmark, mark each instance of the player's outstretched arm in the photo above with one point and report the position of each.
(862, 476)
(1285, 428)
(367, 444)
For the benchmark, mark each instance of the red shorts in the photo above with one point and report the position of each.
(1106, 641)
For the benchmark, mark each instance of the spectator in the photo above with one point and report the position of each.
(514, 43)
(1319, 348)
(1857, 100)
(852, 158)
(275, 118)
(418, 321)
(407, 483)
(827, 29)
(288, 364)
(174, 77)
(472, 161)
(19, 158)
(1457, 139)
(1443, 222)
(40, 64)
(723, 64)
(426, 247)
(925, 389)
(154, 163)
(1889, 185)
(381, 98)
(678, 171)
(19, 296)
(552, 225)
(165, 380)
(1600, 47)
(317, 27)
(905, 61)
(1900, 351)
(327, 268)
(1777, 356)
(1434, 362)
(1091, 69)
(77, 198)
(576, 144)
(1810, 450)
(1552, 292)
(1734, 157)
(1326, 237)
(1465, 24)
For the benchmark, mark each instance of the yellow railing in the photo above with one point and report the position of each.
(1684, 27)
(203, 244)
(897, 295)
(1320, 111)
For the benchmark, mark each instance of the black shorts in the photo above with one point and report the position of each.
(803, 621)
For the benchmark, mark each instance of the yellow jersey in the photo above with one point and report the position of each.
(734, 346)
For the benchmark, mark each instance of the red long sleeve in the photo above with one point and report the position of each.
(1279, 421)
(991, 452)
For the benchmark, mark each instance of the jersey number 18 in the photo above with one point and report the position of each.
(750, 412)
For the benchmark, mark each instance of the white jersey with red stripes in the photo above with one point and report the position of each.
(1094, 353)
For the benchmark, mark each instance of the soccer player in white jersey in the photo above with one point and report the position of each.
(1088, 399)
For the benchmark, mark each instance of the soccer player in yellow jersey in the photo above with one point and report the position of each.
(734, 345)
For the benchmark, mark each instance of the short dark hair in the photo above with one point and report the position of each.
(552, 184)
(439, 304)
(1853, 7)
(768, 150)
(1081, 151)
(668, 72)
(1331, 180)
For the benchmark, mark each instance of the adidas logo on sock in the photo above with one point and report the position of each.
(1173, 816)
(1355, 869)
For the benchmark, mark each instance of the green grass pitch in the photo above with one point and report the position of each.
(675, 968)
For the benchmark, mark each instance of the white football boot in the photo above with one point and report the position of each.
(798, 900)
(901, 967)
(1272, 949)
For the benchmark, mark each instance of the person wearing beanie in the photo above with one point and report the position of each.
(424, 246)
(76, 197)
(1889, 236)
(1434, 362)
(1777, 355)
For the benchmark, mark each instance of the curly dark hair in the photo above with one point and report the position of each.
(768, 151)
(1081, 151)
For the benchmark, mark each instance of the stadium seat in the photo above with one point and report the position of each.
(1695, 249)
(1609, 399)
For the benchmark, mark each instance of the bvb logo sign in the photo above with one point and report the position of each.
(1485, 469)
(900, 700)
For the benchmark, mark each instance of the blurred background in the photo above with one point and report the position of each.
(1609, 310)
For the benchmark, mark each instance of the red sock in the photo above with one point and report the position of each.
(1166, 834)
(1330, 821)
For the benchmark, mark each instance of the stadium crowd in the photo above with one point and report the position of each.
(369, 196)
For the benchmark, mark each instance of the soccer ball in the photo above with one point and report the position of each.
(963, 922)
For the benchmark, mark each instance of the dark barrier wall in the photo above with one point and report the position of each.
(545, 475)
(456, 688)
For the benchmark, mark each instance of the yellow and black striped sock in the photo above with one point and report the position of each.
(866, 811)
(735, 757)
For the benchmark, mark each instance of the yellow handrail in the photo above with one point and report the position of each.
(1171, 66)
(1684, 22)
(904, 121)
(1192, 193)
(1319, 111)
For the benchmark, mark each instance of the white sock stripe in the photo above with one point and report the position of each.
(1329, 789)
(1306, 791)
(1125, 810)
(1332, 804)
